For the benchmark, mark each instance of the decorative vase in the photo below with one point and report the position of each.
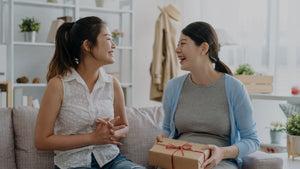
(29, 36)
(99, 3)
(117, 40)
(275, 137)
(297, 143)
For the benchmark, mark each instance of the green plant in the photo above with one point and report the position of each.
(116, 33)
(293, 124)
(29, 25)
(277, 126)
(245, 69)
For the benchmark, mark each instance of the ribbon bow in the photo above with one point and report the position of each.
(185, 146)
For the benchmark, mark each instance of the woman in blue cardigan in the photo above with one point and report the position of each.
(208, 105)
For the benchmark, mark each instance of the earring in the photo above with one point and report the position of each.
(76, 60)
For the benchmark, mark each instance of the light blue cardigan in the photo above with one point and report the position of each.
(243, 133)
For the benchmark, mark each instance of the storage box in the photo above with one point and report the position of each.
(177, 153)
(257, 83)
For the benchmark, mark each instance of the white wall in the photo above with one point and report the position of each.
(146, 13)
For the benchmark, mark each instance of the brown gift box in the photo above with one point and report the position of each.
(161, 156)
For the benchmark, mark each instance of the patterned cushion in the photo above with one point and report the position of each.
(144, 125)
(289, 109)
(7, 154)
(27, 156)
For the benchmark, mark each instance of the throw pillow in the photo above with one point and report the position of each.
(27, 156)
(7, 148)
(144, 125)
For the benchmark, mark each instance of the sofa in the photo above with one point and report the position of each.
(17, 150)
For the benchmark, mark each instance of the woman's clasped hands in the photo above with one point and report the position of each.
(106, 131)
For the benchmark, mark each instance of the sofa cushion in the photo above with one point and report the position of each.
(7, 153)
(144, 125)
(27, 156)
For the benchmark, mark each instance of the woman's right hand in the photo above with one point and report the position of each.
(159, 138)
(104, 132)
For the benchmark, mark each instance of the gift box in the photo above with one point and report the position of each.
(177, 154)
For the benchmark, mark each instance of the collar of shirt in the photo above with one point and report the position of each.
(103, 78)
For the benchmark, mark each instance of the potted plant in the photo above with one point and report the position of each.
(293, 131)
(30, 26)
(117, 35)
(276, 128)
(255, 83)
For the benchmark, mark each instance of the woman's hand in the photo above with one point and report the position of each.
(216, 155)
(159, 138)
(105, 132)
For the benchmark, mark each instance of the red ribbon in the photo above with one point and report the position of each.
(185, 146)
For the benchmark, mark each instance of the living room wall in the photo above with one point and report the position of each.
(146, 13)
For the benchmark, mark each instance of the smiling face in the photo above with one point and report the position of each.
(103, 51)
(188, 53)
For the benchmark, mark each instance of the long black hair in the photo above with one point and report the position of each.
(201, 32)
(69, 38)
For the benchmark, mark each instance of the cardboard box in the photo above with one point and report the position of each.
(193, 156)
(257, 83)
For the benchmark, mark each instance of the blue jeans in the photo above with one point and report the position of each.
(120, 162)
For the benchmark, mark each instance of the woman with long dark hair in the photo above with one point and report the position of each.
(82, 114)
(208, 105)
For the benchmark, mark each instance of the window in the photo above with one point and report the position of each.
(266, 34)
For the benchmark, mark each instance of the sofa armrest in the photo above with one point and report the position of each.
(259, 159)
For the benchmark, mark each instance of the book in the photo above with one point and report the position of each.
(24, 101)
(36, 103)
(18, 96)
(52, 32)
(3, 99)
(29, 101)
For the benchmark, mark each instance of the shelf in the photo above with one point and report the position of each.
(126, 85)
(33, 44)
(16, 85)
(121, 9)
(53, 44)
(44, 4)
(124, 47)
(104, 10)
(289, 98)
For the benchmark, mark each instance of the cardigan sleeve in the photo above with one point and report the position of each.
(167, 109)
(243, 114)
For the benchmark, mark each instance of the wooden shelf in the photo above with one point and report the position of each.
(30, 85)
(44, 4)
(294, 99)
(104, 10)
(33, 44)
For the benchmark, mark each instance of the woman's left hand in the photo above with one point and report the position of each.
(216, 155)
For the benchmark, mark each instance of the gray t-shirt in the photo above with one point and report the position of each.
(202, 114)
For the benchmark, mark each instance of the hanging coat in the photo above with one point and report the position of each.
(164, 64)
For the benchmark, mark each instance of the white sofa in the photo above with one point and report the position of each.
(17, 149)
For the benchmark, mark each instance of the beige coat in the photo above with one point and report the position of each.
(164, 64)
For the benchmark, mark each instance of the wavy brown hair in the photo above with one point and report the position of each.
(69, 39)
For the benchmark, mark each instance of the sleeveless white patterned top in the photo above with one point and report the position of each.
(77, 115)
